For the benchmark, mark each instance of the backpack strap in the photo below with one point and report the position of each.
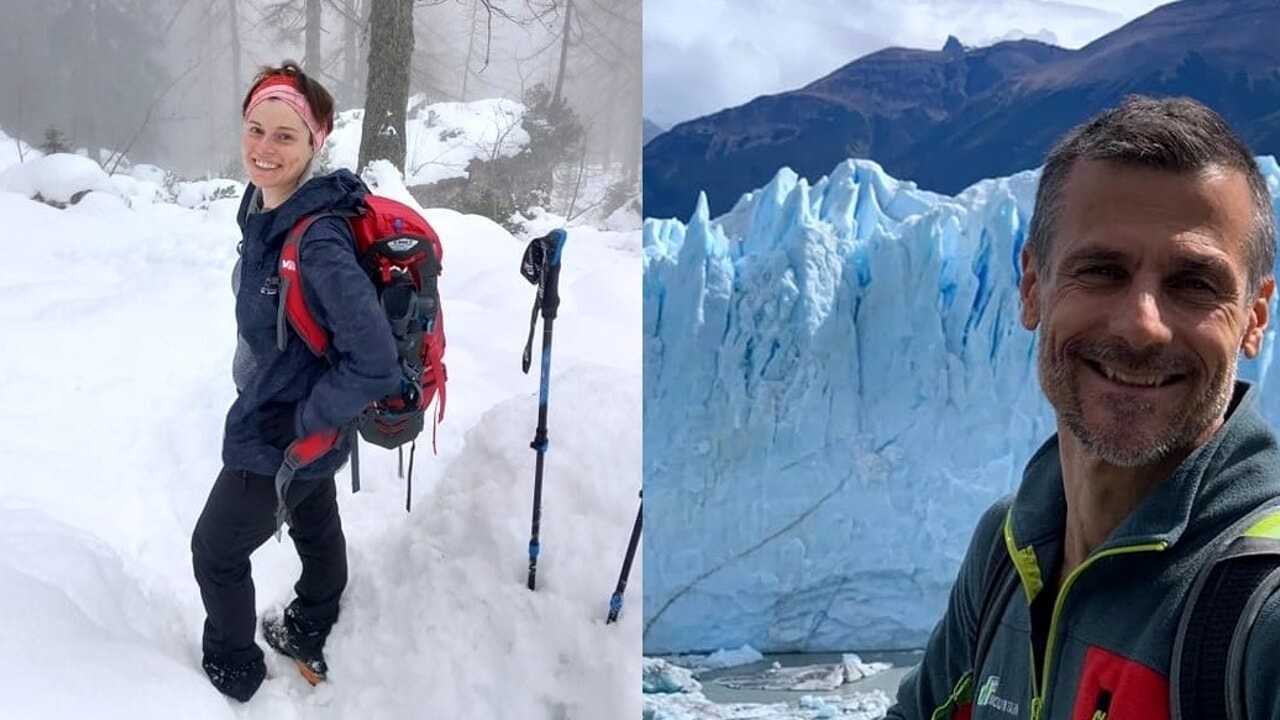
(439, 377)
(300, 453)
(1206, 679)
(293, 312)
(293, 307)
(1001, 582)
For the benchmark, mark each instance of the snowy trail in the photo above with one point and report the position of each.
(118, 327)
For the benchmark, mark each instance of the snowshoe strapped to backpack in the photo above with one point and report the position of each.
(401, 253)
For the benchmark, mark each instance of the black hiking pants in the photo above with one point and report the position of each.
(238, 518)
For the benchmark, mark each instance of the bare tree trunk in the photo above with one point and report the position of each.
(632, 149)
(564, 53)
(387, 94)
(21, 102)
(471, 46)
(577, 185)
(237, 72)
(315, 18)
(610, 138)
(351, 52)
(82, 105)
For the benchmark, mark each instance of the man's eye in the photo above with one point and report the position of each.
(1101, 271)
(1196, 284)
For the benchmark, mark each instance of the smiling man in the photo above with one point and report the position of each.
(1147, 271)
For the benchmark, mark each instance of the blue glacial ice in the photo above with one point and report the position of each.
(836, 385)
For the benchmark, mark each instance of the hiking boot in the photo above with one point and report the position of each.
(236, 681)
(306, 649)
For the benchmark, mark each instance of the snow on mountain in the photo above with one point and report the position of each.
(836, 385)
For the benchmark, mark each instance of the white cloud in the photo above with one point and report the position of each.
(1044, 35)
(704, 56)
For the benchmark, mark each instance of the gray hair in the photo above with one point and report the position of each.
(1171, 134)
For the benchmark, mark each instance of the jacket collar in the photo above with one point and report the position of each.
(1232, 473)
(339, 190)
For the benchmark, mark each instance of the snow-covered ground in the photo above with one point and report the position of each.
(116, 315)
(13, 150)
(440, 138)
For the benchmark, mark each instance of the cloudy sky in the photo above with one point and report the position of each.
(703, 56)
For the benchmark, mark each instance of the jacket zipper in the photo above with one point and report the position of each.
(959, 694)
(1037, 699)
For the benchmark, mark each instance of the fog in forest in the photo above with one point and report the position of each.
(162, 81)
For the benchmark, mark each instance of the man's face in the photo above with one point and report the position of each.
(1142, 307)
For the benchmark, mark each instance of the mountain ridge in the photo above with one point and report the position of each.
(947, 118)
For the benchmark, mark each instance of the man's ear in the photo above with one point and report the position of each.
(1259, 316)
(1029, 291)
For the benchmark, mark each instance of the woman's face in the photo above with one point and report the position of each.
(275, 148)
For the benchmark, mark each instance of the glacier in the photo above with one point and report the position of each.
(836, 385)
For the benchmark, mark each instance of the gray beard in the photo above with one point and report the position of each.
(1060, 385)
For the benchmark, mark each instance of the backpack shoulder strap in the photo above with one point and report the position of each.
(293, 309)
(1206, 679)
(1001, 582)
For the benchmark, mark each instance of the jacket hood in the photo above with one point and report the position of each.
(339, 190)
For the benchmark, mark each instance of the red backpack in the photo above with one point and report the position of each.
(401, 254)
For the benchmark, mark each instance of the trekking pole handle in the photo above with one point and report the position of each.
(555, 243)
(549, 290)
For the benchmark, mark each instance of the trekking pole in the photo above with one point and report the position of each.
(615, 602)
(541, 266)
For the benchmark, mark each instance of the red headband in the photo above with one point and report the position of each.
(281, 87)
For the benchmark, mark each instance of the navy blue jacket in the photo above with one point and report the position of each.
(344, 302)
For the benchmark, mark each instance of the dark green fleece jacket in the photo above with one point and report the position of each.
(1108, 632)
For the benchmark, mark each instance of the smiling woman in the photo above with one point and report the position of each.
(276, 149)
(285, 392)
(287, 117)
